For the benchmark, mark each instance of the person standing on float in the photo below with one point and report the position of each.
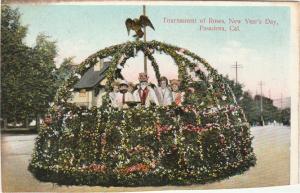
(113, 95)
(164, 94)
(145, 94)
(124, 96)
(178, 96)
(131, 87)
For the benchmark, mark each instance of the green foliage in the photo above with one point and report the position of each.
(237, 88)
(251, 106)
(64, 71)
(43, 79)
(137, 145)
(270, 112)
(205, 139)
(14, 58)
(26, 73)
(285, 116)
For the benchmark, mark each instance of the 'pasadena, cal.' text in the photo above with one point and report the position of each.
(211, 28)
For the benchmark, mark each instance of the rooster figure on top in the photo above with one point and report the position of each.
(126, 94)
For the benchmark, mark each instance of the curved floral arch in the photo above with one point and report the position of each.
(206, 139)
(182, 57)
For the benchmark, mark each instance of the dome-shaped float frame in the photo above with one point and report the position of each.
(206, 139)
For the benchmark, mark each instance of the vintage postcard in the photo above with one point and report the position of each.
(149, 96)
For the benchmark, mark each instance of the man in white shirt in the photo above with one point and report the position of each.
(145, 94)
(124, 96)
(164, 94)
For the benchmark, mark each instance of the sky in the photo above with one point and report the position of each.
(263, 50)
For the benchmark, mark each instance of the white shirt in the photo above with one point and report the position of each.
(119, 99)
(113, 99)
(164, 96)
(151, 97)
(175, 94)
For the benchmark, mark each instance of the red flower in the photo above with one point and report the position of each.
(194, 128)
(161, 129)
(191, 90)
(135, 168)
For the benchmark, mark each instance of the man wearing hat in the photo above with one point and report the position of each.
(124, 96)
(145, 94)
(164, 94)
(177, 95)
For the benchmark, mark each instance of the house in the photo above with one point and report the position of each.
(88, 91)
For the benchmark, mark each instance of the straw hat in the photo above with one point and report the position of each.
(123, 82)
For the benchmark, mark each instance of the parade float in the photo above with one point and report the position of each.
(205, 139)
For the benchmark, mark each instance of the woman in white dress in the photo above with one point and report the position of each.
(164, 94)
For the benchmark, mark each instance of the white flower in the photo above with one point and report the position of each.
(77, 75)
(121, 59)
(224, 97)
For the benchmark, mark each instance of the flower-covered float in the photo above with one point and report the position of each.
(205, 139)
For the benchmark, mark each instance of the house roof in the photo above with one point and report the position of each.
(91, 78)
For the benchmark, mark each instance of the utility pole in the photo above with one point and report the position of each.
(145, 57)
(281, 101)
(269, 93)
(261, 103)
(236, 66)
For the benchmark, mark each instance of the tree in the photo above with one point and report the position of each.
(14, 59)
(64, 71)
(27, 74)
(237, 88)
(250, 108)
(270, 113)
(43, 75)
(285, 116)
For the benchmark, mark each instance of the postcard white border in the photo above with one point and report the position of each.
(295, 79)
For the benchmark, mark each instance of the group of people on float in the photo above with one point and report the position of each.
(143, 93)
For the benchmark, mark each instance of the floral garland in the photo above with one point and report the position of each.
(206, 139)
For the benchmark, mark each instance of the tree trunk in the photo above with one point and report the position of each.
(5, 123)
(37, 120)
(15, 123)
(27, 123)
